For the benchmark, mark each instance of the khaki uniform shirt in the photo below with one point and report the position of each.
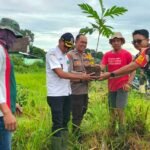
(77, 63)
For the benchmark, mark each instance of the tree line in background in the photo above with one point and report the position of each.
(40, 53)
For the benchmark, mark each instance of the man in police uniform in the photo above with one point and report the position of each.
(79, 97)
(58, 88)
(141, 42)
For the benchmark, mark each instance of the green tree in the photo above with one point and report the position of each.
(100, 19)
(99, 55)
(29, 33)
(37, 52)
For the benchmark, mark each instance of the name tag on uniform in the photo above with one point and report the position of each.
(76, 62)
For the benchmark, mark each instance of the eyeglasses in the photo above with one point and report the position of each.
(138, 41)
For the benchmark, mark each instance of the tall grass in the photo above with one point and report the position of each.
(34, 126)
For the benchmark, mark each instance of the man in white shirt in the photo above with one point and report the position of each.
(59, 90)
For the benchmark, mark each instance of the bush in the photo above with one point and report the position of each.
(20, 67)
(18, 61)
(37, 52)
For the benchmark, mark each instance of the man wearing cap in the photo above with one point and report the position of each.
(118, 87)
(9, 31)
(58, 89)
(79, 97)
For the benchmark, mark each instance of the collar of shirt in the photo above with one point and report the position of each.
(76, 51)
(116, 52)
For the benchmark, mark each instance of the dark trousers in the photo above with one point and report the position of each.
(79, 104)
(60, 109)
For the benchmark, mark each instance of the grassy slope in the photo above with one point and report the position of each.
(34, 125)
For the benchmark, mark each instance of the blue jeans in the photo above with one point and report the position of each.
(5, 137)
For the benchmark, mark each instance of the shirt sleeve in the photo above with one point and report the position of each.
(2, 95)
(104, 60)
(142, 60)
(2, 78)
(2, 57)
(53, 60)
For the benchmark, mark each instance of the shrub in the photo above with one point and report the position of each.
(21, 67)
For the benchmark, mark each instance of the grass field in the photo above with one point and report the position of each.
(34, 126)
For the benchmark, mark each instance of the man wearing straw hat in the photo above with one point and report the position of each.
(118, 87)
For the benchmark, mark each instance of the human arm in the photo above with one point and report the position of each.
(127, 86)
(54, 64)
(73, 76)
(122, 71)
(19, 109)
(8, 117)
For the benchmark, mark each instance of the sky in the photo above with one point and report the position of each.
(49, 19)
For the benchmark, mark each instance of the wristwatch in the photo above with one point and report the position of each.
(112, 74)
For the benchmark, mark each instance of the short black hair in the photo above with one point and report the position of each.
(143, 32)
(79, 35)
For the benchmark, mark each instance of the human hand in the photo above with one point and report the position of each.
(126, 87)
(88, 77)
(104, 76)
(10, 121)
(18, 109)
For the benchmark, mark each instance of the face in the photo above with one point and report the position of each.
(139, 41)
(62, 46)
(116, 43)
(81, 43)
(9, 37)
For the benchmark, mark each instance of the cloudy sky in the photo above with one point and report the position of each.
(48, 19)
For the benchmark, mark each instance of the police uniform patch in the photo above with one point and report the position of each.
(141, 60)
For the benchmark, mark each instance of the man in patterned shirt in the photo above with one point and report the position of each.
(79, 97)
